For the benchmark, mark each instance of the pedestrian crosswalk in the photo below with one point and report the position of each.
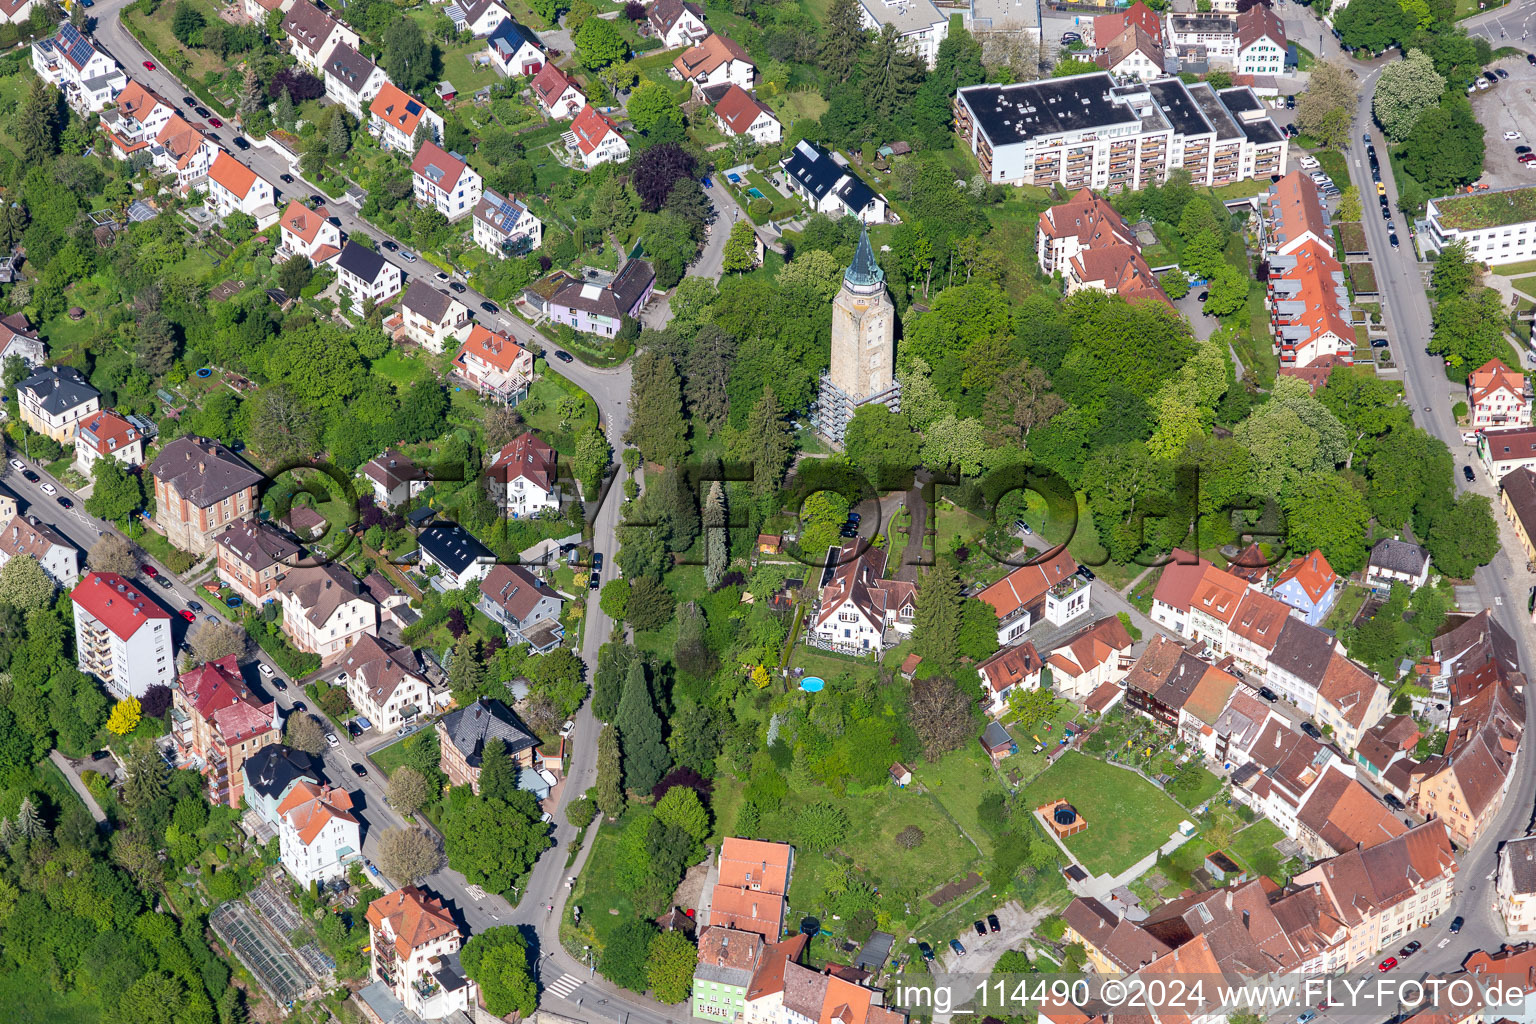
(564, 985)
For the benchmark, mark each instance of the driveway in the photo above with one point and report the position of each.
(962, 975)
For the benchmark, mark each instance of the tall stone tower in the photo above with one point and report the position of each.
(863, 367)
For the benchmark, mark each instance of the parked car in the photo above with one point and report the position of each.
(1387, 964)
(264, 669)
(1456, 925)
(562, 355)
(195, 606)
(331, 740)
(455, 286)
(165, 582)
(64, 502)
(993, 923)
(1393, 802)
(188, 101)
(300, 707)
(359, 770)
(18, 464)
(490, 307)
(1307, 1018)
(1511, 136)
(1311, 730)
(1466, 471)
(149, 65)
(389, 246)
(407, 255)
(189, 614)
(954, 944)
(1268, 694)
(1067, 38)
(31, 476)
(202, 111)
(50, 489)
(926, 950)
(1392, 240)
(279, 685)
(1501, 72)
(1408, 950)
(597, 561)
(595, 582)
(1378, 343)
(240, 142)
(286, 179)
(1490, 78)
(981, 929)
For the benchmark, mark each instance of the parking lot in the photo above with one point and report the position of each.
(1508, 106)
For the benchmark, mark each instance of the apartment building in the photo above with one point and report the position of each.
(1252, 42)
(1050, 590)
(504, 226)
(1515, 888)
(54, 400)
(105, 434)
(919, 25)
(1306, 295)
(252, 558)
(318, 835)
(121, 636)
(30, 536)
(601, 309)
(1089, 659)
(1493, 224)
(1090, 245)
(825, 181)
(385, 683)
(182, 151)
(415, 952)
(463, 734)
(217, 724)
(431, 317)
(352, 80)
(495, 365)
(200, 488)
(136, 116)
(718, 60)
(529, 482)
(72, 63)
(1087, 131)
(326, 610)
(443, 181)
(1497, 397)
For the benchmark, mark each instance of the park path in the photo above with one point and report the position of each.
(78, 786)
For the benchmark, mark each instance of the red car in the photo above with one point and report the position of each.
(149, 65)
(1387, 964)
(216, 122)
(189, 614)
(151, 571)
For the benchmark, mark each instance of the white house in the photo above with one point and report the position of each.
(1397, 561)
(395, 479)
(919, 25)
(1261, 42)
(677, 23)
(558, 97)
(106, 434)
(394, 116)
(738, 112)
(452, 557)
(313, 34)
(1089, 658)
(385, 683)
(318, 836)
(72, 63)
(524, 605)
(432, 318)
(257, 10)
(495, 365)
(233, 187)
(121, 636)
(54, 400)
(479, 17)
(596, 139)
(1497, 397)
(860, 611)
(183, 151)
(28, 535)
(366, 275)
(309, 233)
(135, 118)
(443, 181)
(506, 227)
(1506, 449)
(326, 609)
(823, 180)
(525, 473)
(1012, 668)
(20, 339)
(14, 12)
(718, 60)
(1133, 54)
(352, 80)
(1051, 590)
(514, 50)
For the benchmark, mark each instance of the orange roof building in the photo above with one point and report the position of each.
(596, 138)
(415, 952)
(1498, 397)
(1310, 586)
(318, 836)
(1296, 216)
(395, 115)
(1308, 301)
(1048, 588)
(1091, 246)
(753, 880)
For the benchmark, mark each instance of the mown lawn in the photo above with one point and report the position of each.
(1127, 816)
(1254, 847)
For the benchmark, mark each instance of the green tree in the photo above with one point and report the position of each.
(936, 625)
(598, 43)
(822, 515)
(1464, 538)
(498, 775)
(843, 41)
(767, 444)
(1228, 292)
(1468, 330)
(24, 585)
(1323, 510)
(408, 55)
(302, 732)
(1376, 25)
(1203, 256)
(493, 842)
(613, 599)
(649, 103)
(284, 113)
(37, 123)
(821, 826)
(740, 253)
(1327, 106)
(610, 782)
(1405, 90)
(1455, 272)
(656, 424)
(1366, 406)
(717, 542)
(117, 493)
(978, 630)
(497, 960)
(640, 734)
(669, 966)
(881, 443)
(407, 855)
(651, 604)
(681, 808)
(407, 790)
(892, 72)
(1445, 148)
(626, 956)
(111, 553)
(1017, 403)
(338, 140)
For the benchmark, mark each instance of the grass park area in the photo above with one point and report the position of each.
(387, 759)
(29, 999)
(1254, 847)
(1127, 816)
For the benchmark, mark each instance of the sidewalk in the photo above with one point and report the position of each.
(78, 786)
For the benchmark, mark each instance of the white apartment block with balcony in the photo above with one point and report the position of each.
(443, 181)
(122, 637)
(919, 25)
(1490, 223)
(72, 63)
(1087, 131)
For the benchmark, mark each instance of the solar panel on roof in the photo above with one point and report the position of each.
(413, 107)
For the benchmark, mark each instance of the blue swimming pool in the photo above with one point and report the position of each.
(812, 684)
(754, 193)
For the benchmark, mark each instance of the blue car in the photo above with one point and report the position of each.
(706, 182)
(954, 944)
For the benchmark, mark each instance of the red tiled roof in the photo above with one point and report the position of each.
(550, 84)
(304, 222)
(414, 917)
(590, 127)
(309, 808)
(116, 603)
(106, 431)
(397, 108)
(232, 174)
(739, 109)
(1312, 573)
(1028, 584)
(432, 157)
